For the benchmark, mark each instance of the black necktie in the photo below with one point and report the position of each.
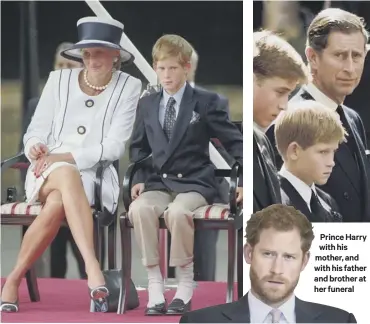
(317, 210)
(169, 118)
(257, 156)
(350, 139)
(259, 176)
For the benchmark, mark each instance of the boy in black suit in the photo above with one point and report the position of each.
(277, 69)
(307, 137)
(175, 127)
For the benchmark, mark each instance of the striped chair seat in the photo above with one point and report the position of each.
(21, 208)
(214, 212)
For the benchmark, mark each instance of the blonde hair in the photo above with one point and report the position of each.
(172, 46)
(194, 59)
(307, 123)
(277, 58)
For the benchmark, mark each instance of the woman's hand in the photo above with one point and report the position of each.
(37, 151)
(44, 162)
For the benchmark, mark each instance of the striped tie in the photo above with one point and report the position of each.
(275, 315)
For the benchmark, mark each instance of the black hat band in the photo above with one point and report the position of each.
(99, 31)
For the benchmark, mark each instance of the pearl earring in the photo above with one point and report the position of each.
(115, 60)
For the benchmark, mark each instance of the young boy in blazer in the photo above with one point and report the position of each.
(175, 126)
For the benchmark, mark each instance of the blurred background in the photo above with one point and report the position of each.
(292, 18)
(31, 32)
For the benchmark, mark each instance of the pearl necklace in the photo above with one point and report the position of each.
(95, 87)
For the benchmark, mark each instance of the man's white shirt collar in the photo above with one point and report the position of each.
(319, 96)
(263, 130)
(259, 310)
(303, 189)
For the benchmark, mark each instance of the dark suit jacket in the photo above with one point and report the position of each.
(360, 98)
(266, 188)
(349, 184)
(183, 164)
(224, 100)
(291, 197)
(238, 312)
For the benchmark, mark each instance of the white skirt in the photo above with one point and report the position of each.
(88, 177)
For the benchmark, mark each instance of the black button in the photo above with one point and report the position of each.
(89, 103)
(346, 195)
(81, 130)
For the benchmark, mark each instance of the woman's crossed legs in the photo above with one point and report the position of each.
(63, 196)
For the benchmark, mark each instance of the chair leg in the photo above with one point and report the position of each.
(163, 252)
(33, 288)
(126, 261)
(112, 239)
(170, 270)
(240, 261)
(96, 236)
(231, 244)
(97, 247)
(99, 242)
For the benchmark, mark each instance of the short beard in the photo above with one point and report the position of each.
(265, 296)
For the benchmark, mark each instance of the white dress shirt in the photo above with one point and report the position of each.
(163, 103)
(262, 129)
(303, 189)
(260, 312)
(319, 96)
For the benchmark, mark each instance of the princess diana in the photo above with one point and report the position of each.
(84, 116)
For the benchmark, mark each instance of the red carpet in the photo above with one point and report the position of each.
(67, 301)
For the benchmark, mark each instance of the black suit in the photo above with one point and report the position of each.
(183, 163)
(238, 312)
(266, 188)
(349, 183)
(291, 197)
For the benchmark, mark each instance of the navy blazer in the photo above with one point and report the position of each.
(183, 164)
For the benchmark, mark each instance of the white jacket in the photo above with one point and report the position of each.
(65, 122)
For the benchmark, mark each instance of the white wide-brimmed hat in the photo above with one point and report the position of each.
(98, 32)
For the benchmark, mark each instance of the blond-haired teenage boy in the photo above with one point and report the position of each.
(175, 126)
(277, 70)
(307, 138)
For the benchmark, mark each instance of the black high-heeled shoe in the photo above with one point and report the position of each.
(99, 296)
